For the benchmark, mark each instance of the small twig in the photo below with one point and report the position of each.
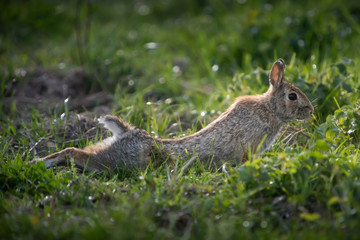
(73, 140)
(288, 138)
(186, 166)
(31, 183)
(91, 129)
(224, 170)
(128, 114)
(189, 162)
(33, 147)
(299, 131)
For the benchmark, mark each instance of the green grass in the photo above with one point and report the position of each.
(206, 53)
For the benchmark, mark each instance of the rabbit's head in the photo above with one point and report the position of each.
(287, 101)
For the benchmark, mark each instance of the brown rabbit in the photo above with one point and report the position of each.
(249, 122)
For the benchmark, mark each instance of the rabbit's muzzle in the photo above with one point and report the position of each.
(304, 113)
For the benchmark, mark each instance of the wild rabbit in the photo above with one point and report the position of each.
(248, 122)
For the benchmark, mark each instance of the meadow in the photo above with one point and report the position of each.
(171, 67)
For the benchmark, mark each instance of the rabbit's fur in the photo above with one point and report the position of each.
(247, 123)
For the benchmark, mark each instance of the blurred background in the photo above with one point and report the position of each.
(167, 48)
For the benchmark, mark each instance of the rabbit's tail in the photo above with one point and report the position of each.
(115, 125)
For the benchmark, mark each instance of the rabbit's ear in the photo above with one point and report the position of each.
(277, 73)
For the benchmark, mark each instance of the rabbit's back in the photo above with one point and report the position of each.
(241, 128)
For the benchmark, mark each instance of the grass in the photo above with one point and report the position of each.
(171, 68)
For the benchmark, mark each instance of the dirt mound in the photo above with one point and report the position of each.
(52, 94)
(48, 90)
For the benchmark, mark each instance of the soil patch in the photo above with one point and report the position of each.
(51, 93)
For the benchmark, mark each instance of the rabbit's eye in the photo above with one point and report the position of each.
(292, 96)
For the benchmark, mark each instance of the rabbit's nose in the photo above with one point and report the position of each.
(311, 110)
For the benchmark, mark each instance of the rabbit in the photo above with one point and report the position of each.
(251, 123)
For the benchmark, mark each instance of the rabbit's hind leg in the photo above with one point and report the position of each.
(82, 159)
